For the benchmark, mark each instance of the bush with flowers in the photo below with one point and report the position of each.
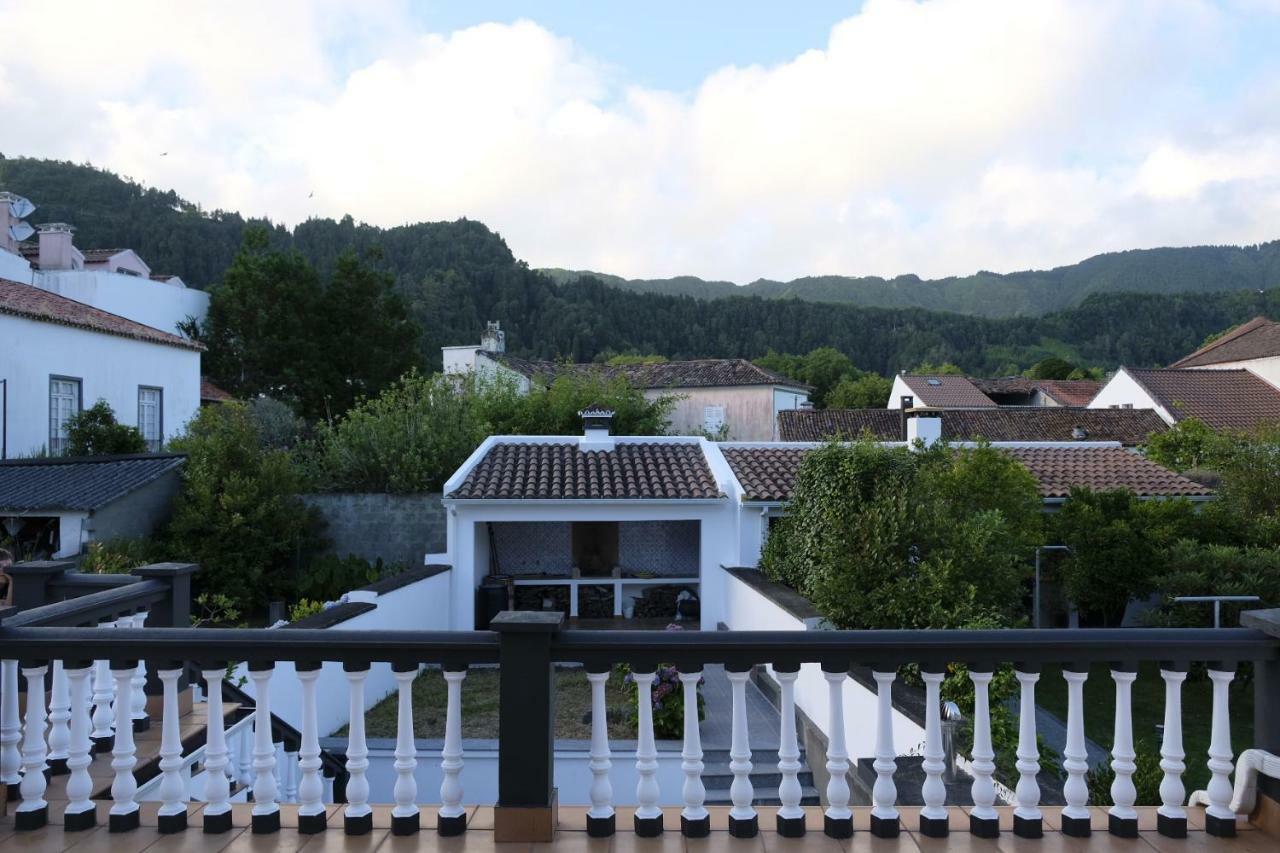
(667, 697)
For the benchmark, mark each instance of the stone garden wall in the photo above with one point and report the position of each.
(396, 528)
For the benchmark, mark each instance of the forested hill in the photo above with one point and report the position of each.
(457, 275)
(1031, 293)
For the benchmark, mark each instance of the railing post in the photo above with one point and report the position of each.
(526, 809)
(174, 611)
(31, 581)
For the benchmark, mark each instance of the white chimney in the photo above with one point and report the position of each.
(925, 424)
(597, 424)
(493, 339)
(56, 249)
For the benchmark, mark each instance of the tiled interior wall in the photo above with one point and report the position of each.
(546, 547)
(534, 547)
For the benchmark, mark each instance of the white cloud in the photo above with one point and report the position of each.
(935, 137)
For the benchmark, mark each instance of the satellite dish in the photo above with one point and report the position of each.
(20, 207)
(20, 231)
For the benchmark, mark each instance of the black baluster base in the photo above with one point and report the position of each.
(1171, 827)
(359, 825)
(1220, 827)
(791, 827)
(984, 827)
(57, 767)
(102, 745)
(935, 827)
(1076, 827)
(744, 827)
(128, 822)
(837, 827)
(1028, 827)
(311, 824)
(265, 824)
(450, 826)
(602, 827)
(648, 827)
(885, 827)
(141, 724)
(1122, 827)
(33, 819)
(699, 828)
(80, 821)
(216, 824)
(407, 825)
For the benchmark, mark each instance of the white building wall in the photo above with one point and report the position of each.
(14, 267)
(897, 391)
(152, 303)
(109, 367)
(1123, 391)
(1267, 369)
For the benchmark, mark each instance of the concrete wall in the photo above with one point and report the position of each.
(138, 513)
(1123, 391)
(396, 528)
(750, 412)
(152, 303)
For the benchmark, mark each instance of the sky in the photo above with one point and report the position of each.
(728, 140)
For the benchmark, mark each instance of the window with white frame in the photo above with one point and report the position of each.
(64, 403)
(713, 419)
(150, 417)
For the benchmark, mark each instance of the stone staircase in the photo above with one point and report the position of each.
(765, 778)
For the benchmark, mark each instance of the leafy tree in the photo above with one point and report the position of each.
(1187, 444)
(1195, 568)
(867, 391)
(96, 432)
(629, 358)
(1051, 368)
(941, 368)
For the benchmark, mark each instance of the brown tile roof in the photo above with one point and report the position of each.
(1028, 423)
(957, 392)
(693, 373)
(1232, 399)
(25, 300)
(1070, 392)
(560, 471)
(210, 393)
(97, 256)
(768, 474)
(1258, 338)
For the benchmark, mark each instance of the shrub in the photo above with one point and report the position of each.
(1194, 568)
(119, 556)
(96, 432)
(1187, 444)
(1146, 778)
(304, 608)
(330, 576)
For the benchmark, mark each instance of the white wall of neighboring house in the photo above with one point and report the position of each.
(109, 367)
(1122, 391)
(747, 412)
(151, 303)
(125, 261)
(896, 393)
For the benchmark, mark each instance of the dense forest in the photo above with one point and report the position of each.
(456, 275)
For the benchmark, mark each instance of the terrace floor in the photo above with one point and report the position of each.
(572, 837)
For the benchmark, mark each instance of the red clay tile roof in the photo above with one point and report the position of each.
(1027, 423)
(1232, 399)
(210, 393)
(1070, 392)
(956, 392)
(768, 474)
(1258, 338)
(29, 301)
(96, 256)
(693, 373)
(560, 471)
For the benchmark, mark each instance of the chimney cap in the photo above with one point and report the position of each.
(925, 410)
(1079, 433)
(55, 227)
(594, 411)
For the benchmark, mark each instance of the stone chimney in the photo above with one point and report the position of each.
(493, 339)
(597, 426)
(925, 424)
(56, 249)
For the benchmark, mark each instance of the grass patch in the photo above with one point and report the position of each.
(480, 706)
(1148, 712)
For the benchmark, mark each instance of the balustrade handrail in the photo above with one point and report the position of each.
(95, 606)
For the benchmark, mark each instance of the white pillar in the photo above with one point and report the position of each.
(217, 787)
(1219, 819)
(648, 817)
(453, 817)
(172, 814)
(358, 817)
(138, 684)
(790, 818)
(695, 822)
(80, 813)
(289, 777)
(404, 817)
(1075, 815)
(1171, 817)
(1026, 817)
(266, 811)
(838, 818)
(743, 821)
(10, 725)
(59, 721)
(600, 817)
(33, 811)
(884, 793)
(984, 821)
(104, 691)
(311, 816)
(933, 817)
(124, 788)
(1122, 818)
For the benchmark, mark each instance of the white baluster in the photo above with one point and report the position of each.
(600, 817)
(453, 817)
(743, 820)
(10, 725)
(884, 793)
(648, 816)
(933, 817)
(33, 811)
(59, 721)
(217, 787)
(695, 822)
(1075, 815)
(984, 822)
(104, 692)
(266, 811)
(790, 819)
(1026, 817)
(838, 819)
(244, 758)
(138, 692)
(172, 815)
(289, 777)
(1122, 819)
(1171, 817)
(1219, 819)
(124, 788)
(358, 817)
(405, 816)
(80, 813)
(311, 816)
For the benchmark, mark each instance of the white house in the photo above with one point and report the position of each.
(1230, 399)
(1254, 346)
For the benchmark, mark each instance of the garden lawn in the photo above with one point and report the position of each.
(480, 706)
(1148, 712)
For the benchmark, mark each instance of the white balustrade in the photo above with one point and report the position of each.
(984, 821)
(311, 816)
(790, 820)
(358, 817)
(10, 725)
(1075, 760)
(600, 817)
(33, 811)
(1027, 821)
(104, 693)
(1122, 818)
(405, 816)
(138, 692)
(884, 793)
(217, 787)
(933, 817)
(743, 821)
(289, 773)
(80, 813)
(266, 811)
(1171, 817)
(124, 788)
(172, 815)
(1220, 820)
(695, 822)
(59, 720)
(453, 817)
(648, 816)
(838, 818)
